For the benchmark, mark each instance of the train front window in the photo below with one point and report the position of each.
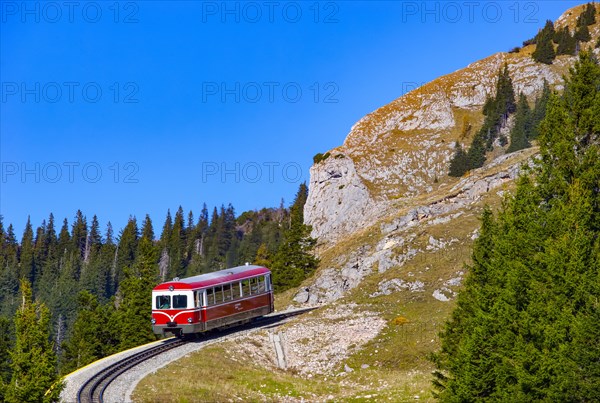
(179, 301)
(163, 302)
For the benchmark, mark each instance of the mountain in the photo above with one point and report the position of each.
(392, 171)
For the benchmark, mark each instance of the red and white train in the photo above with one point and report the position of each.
(207, 301)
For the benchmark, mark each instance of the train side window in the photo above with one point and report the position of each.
(218, 294)
(227, 292)
(268, 282)
(254, 285)
(179, 301)
(210, 296)
(163, 302)
(236, 290)
(246, 287)
(197, 299)
(261, 284)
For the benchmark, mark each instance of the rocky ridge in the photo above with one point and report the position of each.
(402, 150)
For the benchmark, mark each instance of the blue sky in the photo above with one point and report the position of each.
(137, 107)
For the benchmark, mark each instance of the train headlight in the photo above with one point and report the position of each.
(189, 320)
(153, 321)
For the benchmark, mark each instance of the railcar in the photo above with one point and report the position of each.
(212, 300)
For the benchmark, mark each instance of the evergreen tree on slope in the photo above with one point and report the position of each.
(527, 323)
(33, 360)
(294, 260)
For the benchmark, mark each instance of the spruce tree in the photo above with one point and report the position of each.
(521, 132)
(33, 360)
(79, 233)
(294, 260)
(64, 239)
(496, 111)
(583, 34)
(136, 293)
(26, 262)
(588, 16)
(539, 111)
(177, 256)
(9, 275)
(6, 336)
(147, 229)
(90, 336)
(477, 150)
(566, 42)
(127, 248)
(526, 325)
(93, 240)
(544, 49)
(459, 165)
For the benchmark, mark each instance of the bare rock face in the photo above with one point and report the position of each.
(398, 233)
(338, 200)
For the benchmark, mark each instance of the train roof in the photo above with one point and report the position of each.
(214, 278)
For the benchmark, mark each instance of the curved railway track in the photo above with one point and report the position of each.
(92, 391)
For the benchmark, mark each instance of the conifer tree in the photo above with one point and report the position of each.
(64, 239)
(93, 241)
(583, 34)
(544, 49)
(588, 16)
(566, 42)
(39, 252)
(165, 247)
(79, 233)
(177, 248)
(26, 263)
(477, 150)
(147, 229)
(9, 275)
(294, 260)
(459, 164)
(90, 339)
(526, 324)
(6, 333)
(33, 360)
(521, 132)
(496, 111)
(136, 293)
(539, 111)
(127, 248)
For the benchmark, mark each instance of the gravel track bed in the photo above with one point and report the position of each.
(120, 389)
(75, 380)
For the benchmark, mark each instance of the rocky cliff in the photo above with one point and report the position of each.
(392, 168)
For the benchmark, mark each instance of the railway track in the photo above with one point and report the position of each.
(92, 391)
